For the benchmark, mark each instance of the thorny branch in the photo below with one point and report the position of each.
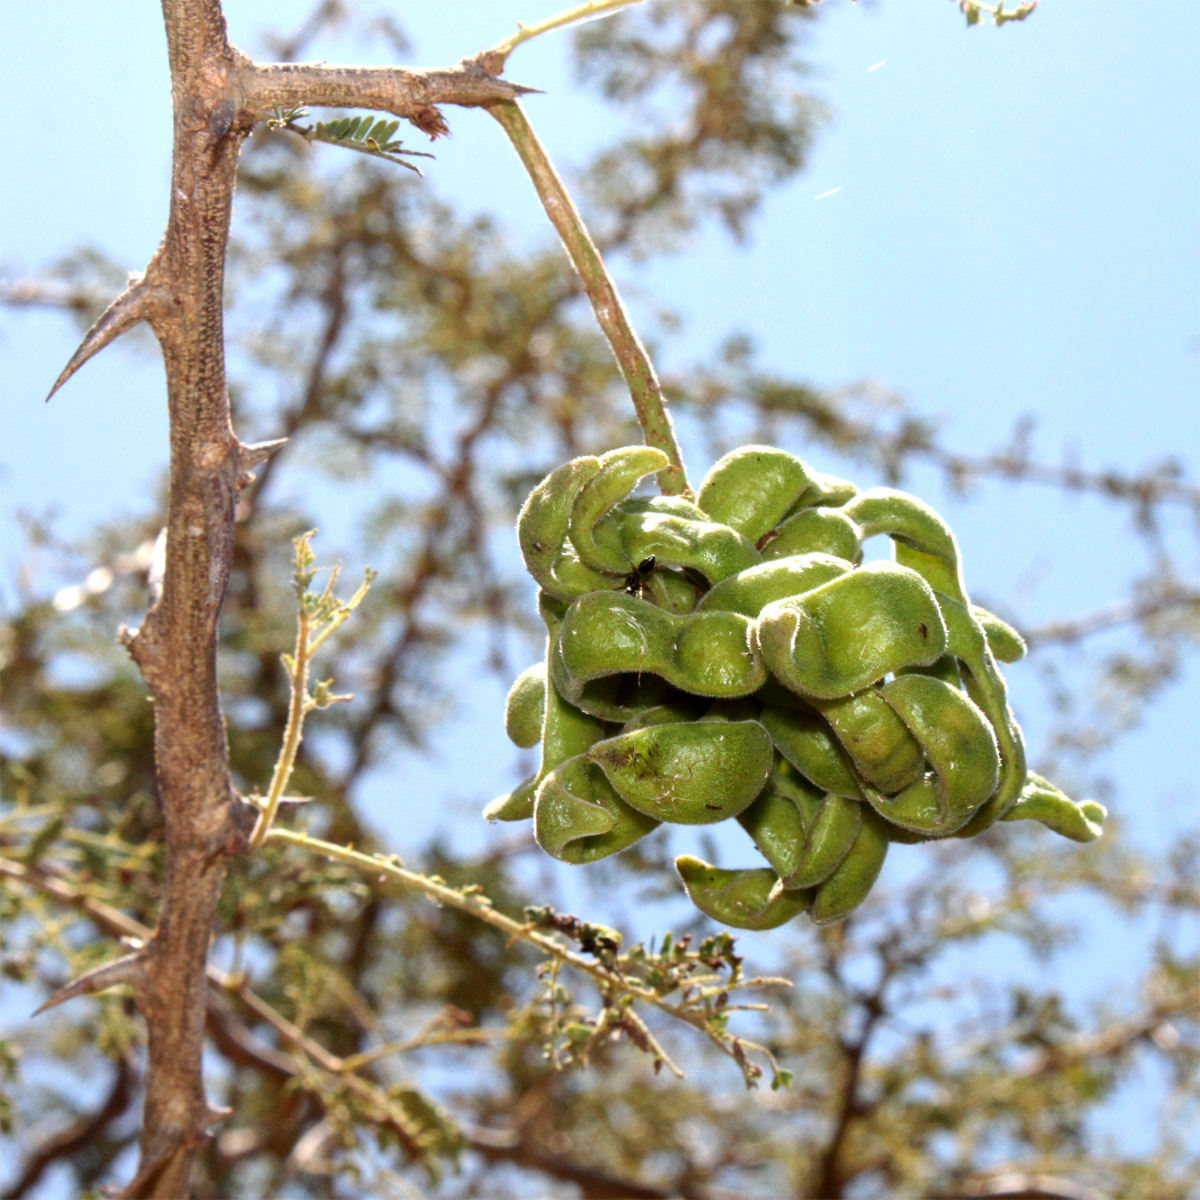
(219, 94)
(244, 1047)
(606, 977)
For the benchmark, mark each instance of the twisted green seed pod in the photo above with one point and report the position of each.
(855, 875)
(745, 899)
(593, 533)
(606, 633)
(566, 732)
(670, 590)
(922, 540)
(542, 526)
(689, 773)
(960, 747)
(883, 750)
(750, 591)
(777, 819)
(1005, 643)
(844, 635)
(1041, 801)
(516, 805)
(984, 684)
(816, 531)
(830, 832)
(579, 818)
(525, 707)
(713, 550)
(753, 488)
(671, 506)
(758, 672)
(808, 744)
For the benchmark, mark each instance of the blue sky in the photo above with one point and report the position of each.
(993, 223)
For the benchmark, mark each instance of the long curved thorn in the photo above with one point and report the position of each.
(129, 969)
(130, 307)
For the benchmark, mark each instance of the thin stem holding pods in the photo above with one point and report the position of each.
(644, 388)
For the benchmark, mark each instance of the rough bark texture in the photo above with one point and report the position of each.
(218, 94)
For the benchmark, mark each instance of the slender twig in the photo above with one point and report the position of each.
(292, 732)
(377, 867)
(317, 618)
(581, 12)
(1124, 612)
(644, 388)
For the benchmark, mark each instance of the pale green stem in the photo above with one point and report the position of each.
(299, 704)
(582, 12)
(291, 734)
(644, 388)
(448, 1037)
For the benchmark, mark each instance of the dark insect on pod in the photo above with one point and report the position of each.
(638, 576)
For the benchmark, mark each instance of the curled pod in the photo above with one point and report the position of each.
(851, 882)
(913, 527)
(752, 489)
(579, 818)
(672, 506)
(713, 550)
(542, 527)
(693, 773)
(960, 747)
(844, 635)
(525, 707)
(593, 531)
(566, 731)
(610, 633)
(779, 816)
(745, 899)
(1005, 643)
(516, 805)
(829, 835)
(884, 752)
(1041, 801)
(750, 591)
(984, 684)
(806, 741)
(816, 531)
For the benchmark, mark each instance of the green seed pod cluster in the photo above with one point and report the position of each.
(733, 657)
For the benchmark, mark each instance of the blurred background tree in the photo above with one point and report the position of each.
(953, 1038)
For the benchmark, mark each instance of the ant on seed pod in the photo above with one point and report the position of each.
(636, 579)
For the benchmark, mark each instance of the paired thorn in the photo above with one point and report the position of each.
(126, 311)
(129, 969)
